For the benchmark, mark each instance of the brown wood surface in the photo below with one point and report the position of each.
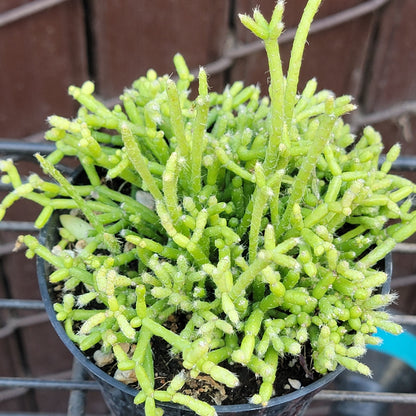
(392, 74)
(131, 37)
(40, 56)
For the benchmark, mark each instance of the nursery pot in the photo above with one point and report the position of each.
(119, 397)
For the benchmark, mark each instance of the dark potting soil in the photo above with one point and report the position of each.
(208, 390)
(292, 373)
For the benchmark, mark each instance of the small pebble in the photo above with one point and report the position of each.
(296, 384)
(80, 245)
(126, 377)
(102, 359)
(293, 362)
(146, 199)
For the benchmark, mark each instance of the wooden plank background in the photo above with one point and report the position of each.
(113, 42)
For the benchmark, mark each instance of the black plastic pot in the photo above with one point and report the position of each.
(119, 397)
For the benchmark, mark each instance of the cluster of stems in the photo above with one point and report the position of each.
(260, 220)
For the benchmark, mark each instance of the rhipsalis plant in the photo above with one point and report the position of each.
(260, 221)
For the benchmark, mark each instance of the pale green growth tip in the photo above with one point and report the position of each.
(181, 68)
(393, 153)
(253, 26)
(203, 82)
(88, 87)
(276, 25)
(256, 399)
(260, 20)
(74, 91)
(151, 75)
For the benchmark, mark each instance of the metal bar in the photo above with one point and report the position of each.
(19, 147)
(76, 403)
(31, 414)
(405, 248)
(42, 414)
(8, 394)
(347, 15)
(14, 323)
(17, 226)
(38, 383)
(392, 112)
(363, 396)
(405, 163)
(26, 10)
(21, 304)
(404, 319)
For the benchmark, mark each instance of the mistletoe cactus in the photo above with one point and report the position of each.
(260, 221)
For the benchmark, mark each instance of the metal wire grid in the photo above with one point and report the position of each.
(79, 383)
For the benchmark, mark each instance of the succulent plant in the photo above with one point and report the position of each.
(259, 220)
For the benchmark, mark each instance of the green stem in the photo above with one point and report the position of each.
(159, 330)
(72, 192)
(199, 127)
(276, 92)
(323, 135)
(296, 57)
(139, 161)
(262, 260)
(176, 118)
